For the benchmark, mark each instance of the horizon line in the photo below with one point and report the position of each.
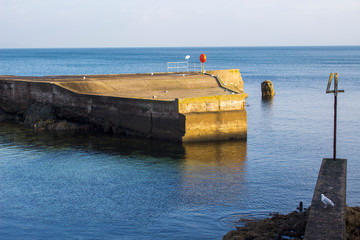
(255, 46)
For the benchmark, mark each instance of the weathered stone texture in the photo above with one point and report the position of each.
(267, 89)
(99, 104)
(329, 222)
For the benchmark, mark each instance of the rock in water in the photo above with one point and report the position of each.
(267, 89)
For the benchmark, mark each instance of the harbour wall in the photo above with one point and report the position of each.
(181, 119)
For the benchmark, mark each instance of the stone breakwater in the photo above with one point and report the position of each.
(178, 107)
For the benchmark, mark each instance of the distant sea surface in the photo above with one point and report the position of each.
(56, 186)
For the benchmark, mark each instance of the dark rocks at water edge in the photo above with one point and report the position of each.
(44, 117)
(290, 226)
(6, 117)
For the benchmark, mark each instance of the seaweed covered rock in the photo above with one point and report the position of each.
(267, 89)
(37, 112)
(44, 117)
(353, 223)
(290, 226)
(279, 226)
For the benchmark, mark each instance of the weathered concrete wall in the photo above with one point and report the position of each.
(230, 79)
(120, 115)
(215, 125)
(329, 222)
(214, 117)
(184, 119)
(212, 103)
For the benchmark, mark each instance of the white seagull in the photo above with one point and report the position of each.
(326, 201)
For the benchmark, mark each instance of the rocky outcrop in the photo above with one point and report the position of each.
(267, 89)
(290, 226)
(278, 226)
(352, 222)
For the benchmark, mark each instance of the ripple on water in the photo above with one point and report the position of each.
(239, 219)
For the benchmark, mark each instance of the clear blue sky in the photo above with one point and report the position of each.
(180, 23)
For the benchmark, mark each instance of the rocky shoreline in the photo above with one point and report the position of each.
(290, 226)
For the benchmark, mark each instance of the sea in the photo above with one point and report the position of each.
(100, 186)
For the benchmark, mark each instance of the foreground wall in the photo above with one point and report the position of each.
(188, 119)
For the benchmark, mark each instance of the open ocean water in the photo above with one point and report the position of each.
(55, 186)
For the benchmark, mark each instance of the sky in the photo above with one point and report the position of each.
(180, 23)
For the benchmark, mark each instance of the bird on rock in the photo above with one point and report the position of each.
(326, 201)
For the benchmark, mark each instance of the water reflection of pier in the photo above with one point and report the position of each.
(229, 154)
(141, 177)
(214, 172)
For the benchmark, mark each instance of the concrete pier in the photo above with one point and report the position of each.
(330, 222)
(176, 106)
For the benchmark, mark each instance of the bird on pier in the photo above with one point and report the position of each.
(326, 201)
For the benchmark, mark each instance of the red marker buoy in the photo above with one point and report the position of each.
(203, 60)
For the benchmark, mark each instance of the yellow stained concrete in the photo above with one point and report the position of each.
(215, 126)
(230, 79)
(212, 103)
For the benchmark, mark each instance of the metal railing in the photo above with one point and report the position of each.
(184, 67)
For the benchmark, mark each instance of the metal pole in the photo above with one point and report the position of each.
(335, 91)
(335, 112)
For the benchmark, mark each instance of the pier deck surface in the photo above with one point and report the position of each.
(329, 222)
(161, 86)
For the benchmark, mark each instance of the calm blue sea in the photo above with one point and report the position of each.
(103, 187)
